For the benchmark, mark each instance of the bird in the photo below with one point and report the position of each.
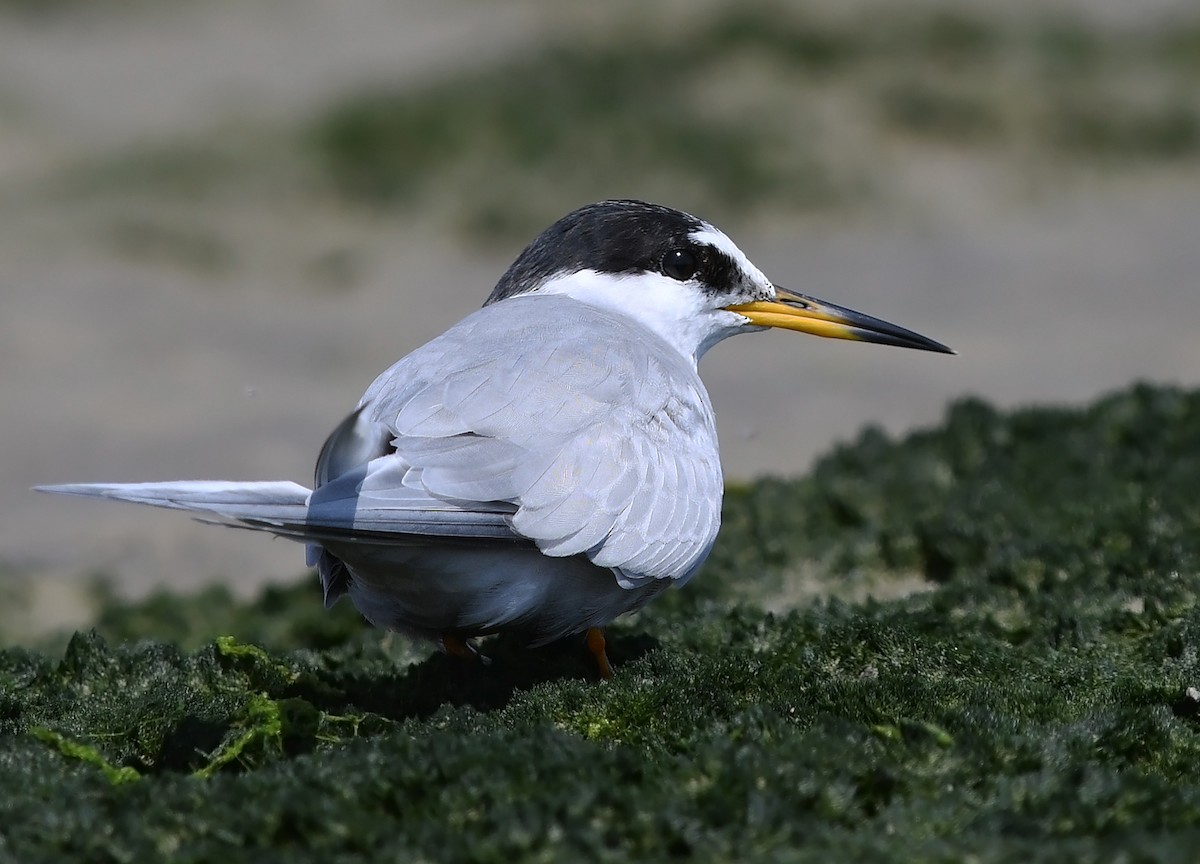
(550, 462)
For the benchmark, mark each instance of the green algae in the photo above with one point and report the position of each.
(1038, 701)
(84, 753)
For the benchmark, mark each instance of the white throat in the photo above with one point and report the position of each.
(677, 311)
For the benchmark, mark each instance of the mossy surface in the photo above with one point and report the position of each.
(1037, 699)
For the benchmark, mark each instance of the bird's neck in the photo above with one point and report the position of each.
(674, 311)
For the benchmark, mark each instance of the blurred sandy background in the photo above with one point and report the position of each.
(219, 220)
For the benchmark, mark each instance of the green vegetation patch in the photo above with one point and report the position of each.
(1040, 700)
(759, 104)
(737, 108)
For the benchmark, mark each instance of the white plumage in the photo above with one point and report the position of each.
(594, 448)
(548, 463)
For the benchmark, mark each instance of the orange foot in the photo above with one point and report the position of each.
(457, 646)
(595, 644)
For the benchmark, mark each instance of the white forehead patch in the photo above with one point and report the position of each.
(720, 240)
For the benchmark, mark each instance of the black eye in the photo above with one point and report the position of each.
(680, 264)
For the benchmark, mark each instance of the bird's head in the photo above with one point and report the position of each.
(680, 277)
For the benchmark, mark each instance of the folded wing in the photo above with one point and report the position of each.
(600, 441)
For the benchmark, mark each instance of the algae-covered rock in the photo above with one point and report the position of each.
(980, 640)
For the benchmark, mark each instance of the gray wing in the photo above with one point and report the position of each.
(580, 433)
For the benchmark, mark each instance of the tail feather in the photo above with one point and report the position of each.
(270, 503)
(283, 508)
(286, 509)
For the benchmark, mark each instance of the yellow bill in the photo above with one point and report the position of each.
(792, 311)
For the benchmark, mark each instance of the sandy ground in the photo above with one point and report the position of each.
(120, 368)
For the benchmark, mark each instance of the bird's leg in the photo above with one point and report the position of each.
(595, 644)
(457, 646)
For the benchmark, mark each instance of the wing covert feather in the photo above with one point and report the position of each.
(603, 445)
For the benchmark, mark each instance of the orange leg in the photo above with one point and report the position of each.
(595, 644)
(459, 647)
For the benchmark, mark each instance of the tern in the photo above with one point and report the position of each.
(550, 462)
